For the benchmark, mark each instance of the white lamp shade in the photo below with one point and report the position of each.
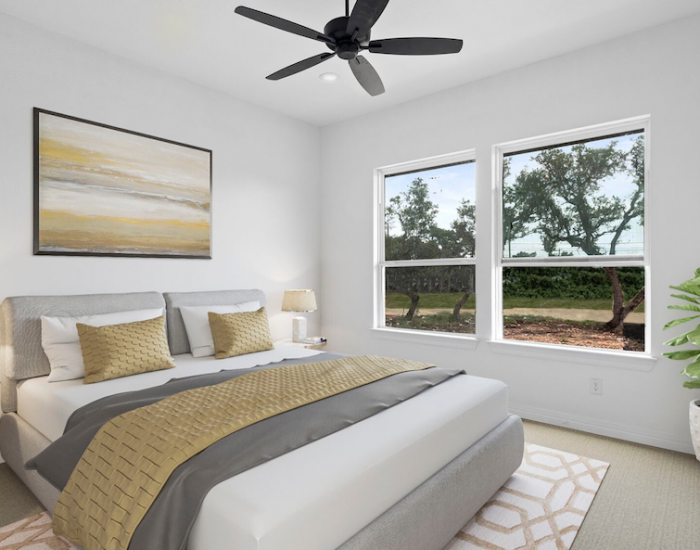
(299, 300)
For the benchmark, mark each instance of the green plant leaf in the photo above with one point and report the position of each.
(689, 288)
(692, 370)
(677, 322)
(692, 384)
(686, 307)
(694, 336)
(686, 298)
(678, 340)
(697, 273)
(683, 354)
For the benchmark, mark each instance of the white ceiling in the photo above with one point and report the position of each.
(204, 41)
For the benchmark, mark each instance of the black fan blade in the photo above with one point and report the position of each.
(364, 15)
(282, 24)
(300, 66)
(366, 76)
(416, 46)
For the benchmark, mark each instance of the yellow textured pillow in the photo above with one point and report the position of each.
(240, 333)
(115, 351)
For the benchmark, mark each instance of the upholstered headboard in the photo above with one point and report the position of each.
(21, 354)
(177, 337)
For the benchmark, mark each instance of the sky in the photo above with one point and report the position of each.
(620, 185)
(448, 186)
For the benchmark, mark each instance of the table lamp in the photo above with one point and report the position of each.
(299, 301)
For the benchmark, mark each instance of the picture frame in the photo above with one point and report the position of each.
(101, 190)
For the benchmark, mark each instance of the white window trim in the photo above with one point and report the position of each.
(573, 355)
(613, 358)
(379, 328)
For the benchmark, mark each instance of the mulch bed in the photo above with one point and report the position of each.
(540, 329)
(592, 335)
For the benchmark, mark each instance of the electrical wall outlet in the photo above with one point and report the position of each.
(596, 386)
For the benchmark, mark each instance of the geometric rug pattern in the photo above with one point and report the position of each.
(32, 533)
(541, 507)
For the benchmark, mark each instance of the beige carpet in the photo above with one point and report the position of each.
(541, 507)
(16, 501)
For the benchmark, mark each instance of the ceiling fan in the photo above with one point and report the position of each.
(347, 36)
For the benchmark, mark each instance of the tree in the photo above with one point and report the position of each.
(562, 200)
(634, 209)
(464, 229)
(421, 238)
(514, 226)
(415, 213)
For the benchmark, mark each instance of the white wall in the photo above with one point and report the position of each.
(265, 187)
(653, 72)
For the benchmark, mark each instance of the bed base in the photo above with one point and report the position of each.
(20, 441)
(426, 519)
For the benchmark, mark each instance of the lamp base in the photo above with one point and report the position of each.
(298, 329)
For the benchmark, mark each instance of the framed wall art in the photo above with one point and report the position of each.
(105, 191)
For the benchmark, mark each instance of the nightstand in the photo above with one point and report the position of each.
(289, 342)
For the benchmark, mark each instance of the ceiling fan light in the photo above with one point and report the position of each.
(328, 77)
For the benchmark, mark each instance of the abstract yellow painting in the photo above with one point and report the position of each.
(101, 190)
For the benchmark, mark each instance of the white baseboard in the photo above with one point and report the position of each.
(601, 427)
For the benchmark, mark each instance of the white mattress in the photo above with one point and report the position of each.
(318, 496)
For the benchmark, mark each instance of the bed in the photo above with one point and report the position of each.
(409, 477)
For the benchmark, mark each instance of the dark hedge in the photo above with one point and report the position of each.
(585, 283)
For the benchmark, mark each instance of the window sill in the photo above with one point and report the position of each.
(627, 360)
(442, 339)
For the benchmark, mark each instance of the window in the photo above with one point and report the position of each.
(426, 245)
(572, 261)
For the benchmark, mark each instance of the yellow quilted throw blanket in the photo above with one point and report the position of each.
(133, 455)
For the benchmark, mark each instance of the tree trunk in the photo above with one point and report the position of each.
(620, 311)
(414, 304)
(457, 312)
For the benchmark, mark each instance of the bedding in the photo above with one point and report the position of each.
(133, 441)
(59, 339)
(240, 333)
(47, 406)
(196, 322)
(340, 483)
(116, 351)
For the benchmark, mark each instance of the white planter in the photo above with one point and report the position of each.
(695, 426)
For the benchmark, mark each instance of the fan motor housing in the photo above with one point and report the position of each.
(344, 46)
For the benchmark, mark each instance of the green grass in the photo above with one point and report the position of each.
(442, 322)
(448, 301)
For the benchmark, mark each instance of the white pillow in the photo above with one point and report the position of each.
(196, 320)
(59, 338)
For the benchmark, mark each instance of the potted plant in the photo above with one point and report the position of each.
(691, 296)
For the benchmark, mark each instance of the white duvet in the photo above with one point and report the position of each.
(318, 496)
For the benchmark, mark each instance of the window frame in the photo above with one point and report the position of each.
(598, 131)
(380, 263)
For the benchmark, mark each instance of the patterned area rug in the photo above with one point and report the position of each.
(32, 533)
(541, 507)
